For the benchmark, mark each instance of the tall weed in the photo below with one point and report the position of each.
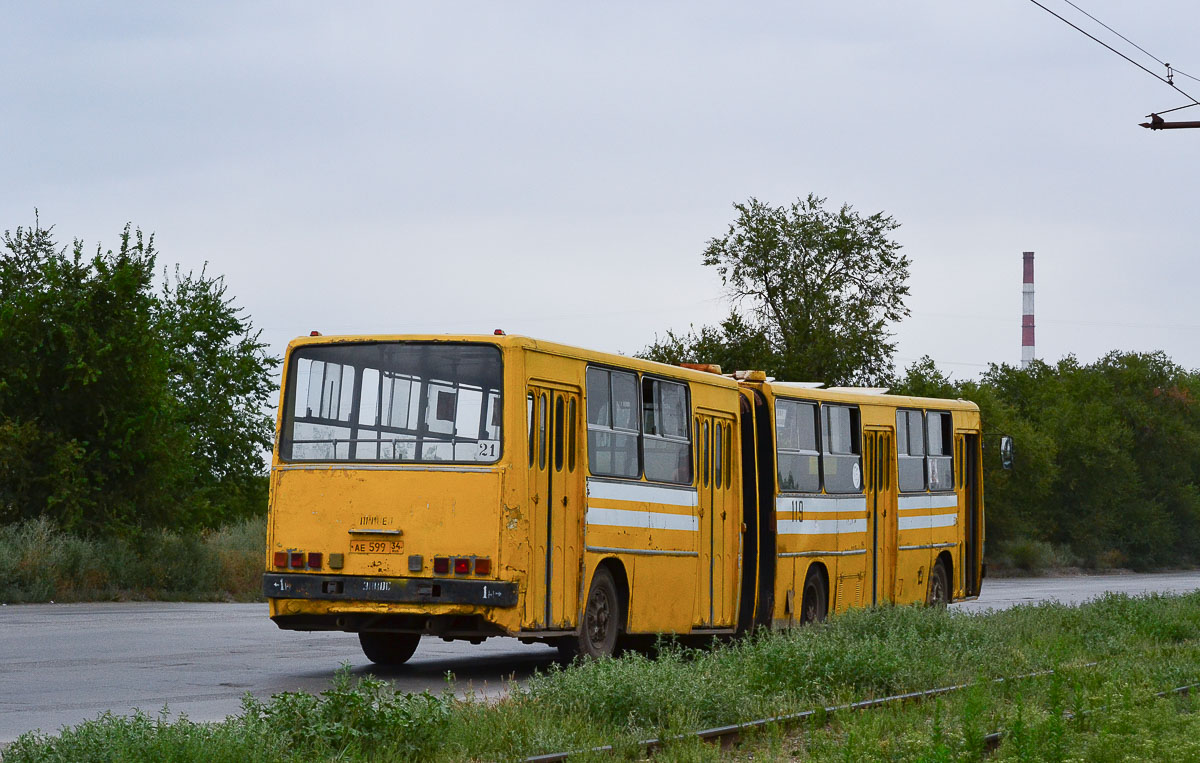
(1109, 658)
(41, 563)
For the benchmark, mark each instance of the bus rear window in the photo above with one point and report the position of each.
(393, 401)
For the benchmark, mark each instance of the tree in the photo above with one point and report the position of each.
(221, 376)
(1107, 457)
(112, 395)
(813, 293)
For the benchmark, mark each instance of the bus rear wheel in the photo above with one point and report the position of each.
(388, 648)
(939, 586)
(814, 605)
(601, 620)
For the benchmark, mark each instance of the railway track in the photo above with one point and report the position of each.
(729, 735)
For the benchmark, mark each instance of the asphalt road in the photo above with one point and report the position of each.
(66, 663)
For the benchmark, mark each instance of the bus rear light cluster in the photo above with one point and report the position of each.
(298, 560)
(462, 565)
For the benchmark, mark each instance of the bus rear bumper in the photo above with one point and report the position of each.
(489, 593)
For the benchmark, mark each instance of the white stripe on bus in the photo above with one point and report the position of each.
(645, 520)
(821, 526)
(821, 503)
(928, 502)
(640, 491)
(928, 522)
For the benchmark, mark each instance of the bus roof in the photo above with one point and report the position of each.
(529, 343)
(806, 390)
(865, 396)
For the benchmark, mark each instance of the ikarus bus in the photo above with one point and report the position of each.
(475, 486)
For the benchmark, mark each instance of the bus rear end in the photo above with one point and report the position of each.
(386, 490)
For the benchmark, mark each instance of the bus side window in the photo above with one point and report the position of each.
(841, 449)
(614, 423)
(796, 446)
(666, 447)
(938, 455)
(910, 447)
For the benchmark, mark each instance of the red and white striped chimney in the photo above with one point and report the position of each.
(1027, 311)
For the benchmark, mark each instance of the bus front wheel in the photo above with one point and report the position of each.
(601, 620)
(388, 648)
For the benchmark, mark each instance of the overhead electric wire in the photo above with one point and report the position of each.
(1118, 34)
(1084, 32)
(1134, 44)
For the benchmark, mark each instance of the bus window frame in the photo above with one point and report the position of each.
(856, 436)
(819, 435)
(906, 455)
(611, 428)
(946, 435)
(688, 416)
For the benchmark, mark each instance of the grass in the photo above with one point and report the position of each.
(1143, 645)
(39, 563)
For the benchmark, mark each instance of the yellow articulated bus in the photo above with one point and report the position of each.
(476, 486)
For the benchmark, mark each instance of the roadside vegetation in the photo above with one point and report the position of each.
(1107, 472)
(130, 399)
(1141, 646)
(134, 415)
(40, 563)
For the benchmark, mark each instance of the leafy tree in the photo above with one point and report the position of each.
(1107, 458)
(221, 377)
(121, 407)
(814, 293)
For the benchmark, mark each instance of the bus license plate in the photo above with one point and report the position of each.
(376, 546)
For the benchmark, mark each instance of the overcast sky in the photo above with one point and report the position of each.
(555, 169)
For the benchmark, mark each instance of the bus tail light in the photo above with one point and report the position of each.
(483, 566)
(441, 565)
(462, 565)
(297, 560)
(314, 560)
(281, 558)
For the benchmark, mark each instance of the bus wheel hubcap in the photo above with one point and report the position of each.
(598, 616)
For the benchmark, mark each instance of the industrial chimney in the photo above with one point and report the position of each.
(1027, 311)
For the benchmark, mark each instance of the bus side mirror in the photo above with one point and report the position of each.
(1006, 452)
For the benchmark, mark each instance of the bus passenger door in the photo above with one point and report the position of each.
(556, 508)
(702, 436)
(715, 585)
(881, 507)
(726, 523)
(972, 566)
